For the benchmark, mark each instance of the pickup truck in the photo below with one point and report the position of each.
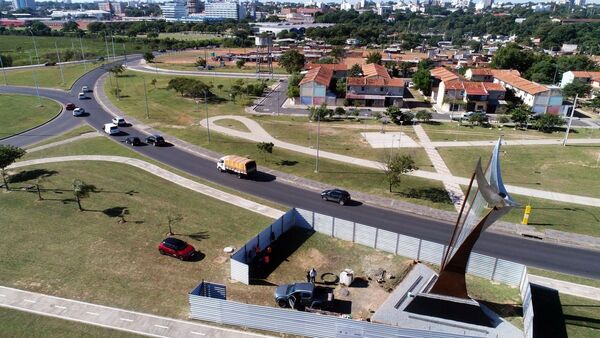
(242, 166)
(303, 295)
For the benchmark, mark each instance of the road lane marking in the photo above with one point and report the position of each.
(60, 307)
(29, 301)
(126, 319)
(198, 333)
(92, 313)
(161, 326)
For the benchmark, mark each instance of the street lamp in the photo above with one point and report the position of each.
(37, 89)
(318, 133)
(207, 120)
(570, 120)
(146, 98)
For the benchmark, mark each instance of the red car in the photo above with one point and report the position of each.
(70, 106)
(176, 248)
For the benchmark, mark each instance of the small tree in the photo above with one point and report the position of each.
(374, 57)
(220, 87)
(520, 115)
(548, 122)
(117, 70)
(423, 116)
(153, 83)
(396, 115)
(81, 190)
(171, 221)
(355, 70)
(576, 88)
(477, 119)
(201, 62)
(422, 81)
(265, 148)
(318, 113)
(595, 103)
(340, 87)
(340, 111)
(240, 63)
(149, 57)
(8, 155)
(396, 167)
(292, 61)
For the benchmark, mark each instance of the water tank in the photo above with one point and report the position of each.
(263, 41)
(346, 277)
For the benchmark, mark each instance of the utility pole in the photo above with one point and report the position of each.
(112, 39)
(62, 76)
(107, 52)
(570, 120)
(318, 133)
(82, 54)
(124, 54)
(146, 98)
(3, 71)
(37, 89)
(35, 47)
(207, 121)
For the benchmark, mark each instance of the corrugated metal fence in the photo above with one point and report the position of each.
(527, 307)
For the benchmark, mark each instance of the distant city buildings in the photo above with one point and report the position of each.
(21, 4)
(174, 10)
(115, 8)
(224, 10)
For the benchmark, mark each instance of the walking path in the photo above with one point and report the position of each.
(110, 317)
(167, 175)
(491, 143)
(454, 191)
(69, 140)
(259, 134)
(568, 288)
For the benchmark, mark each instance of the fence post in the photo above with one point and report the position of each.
(397, 240)
(313, 220)
(419, 250)
(332, 226)
(494, 269)
(376, 235)
(353, 232)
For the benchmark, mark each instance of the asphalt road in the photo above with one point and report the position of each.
(536, 253)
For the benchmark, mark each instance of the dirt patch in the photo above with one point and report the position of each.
(184, 119)
(220, 259)
(313, 258)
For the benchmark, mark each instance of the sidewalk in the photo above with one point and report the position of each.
(568, 288)
(110, 317)
(491, 143)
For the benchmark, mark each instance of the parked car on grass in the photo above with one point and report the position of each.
(70, 106)
(299, 295)
(78, 111)
(155, 140)
(119, 121)
(133, 140)
(336, 195)
(176, 248)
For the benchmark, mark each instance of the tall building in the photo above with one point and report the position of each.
(20, 4)
(224, 10)
(580, 2)
(193, 6)
(115, 8)
(174, 10)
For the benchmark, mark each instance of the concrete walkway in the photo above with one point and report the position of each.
(259, 134)
(491, 143)
(69, 140)
(110, 317)
(454, 191)
(165, 174)
(568, 288)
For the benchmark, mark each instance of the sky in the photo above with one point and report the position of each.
(350, 1)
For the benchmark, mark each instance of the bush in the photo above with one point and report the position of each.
(503, 119)
(339, 111)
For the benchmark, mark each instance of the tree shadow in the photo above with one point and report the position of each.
(261, 176)
(28, 175)
(286, 163)
(199, 235)
(436, 195)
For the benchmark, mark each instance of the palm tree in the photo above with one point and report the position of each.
(81, 190)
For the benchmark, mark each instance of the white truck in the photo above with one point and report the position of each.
(242, 166)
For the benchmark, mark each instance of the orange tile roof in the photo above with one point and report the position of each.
(453, 84)
(474, 88)
(320, 75)
(520, 83)
(586, 74)
(373, 69)
(493, 87)
(332, 66)
(364, 81)
(488, 71)
(444, 74)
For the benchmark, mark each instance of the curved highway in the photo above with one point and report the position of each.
(550, 256)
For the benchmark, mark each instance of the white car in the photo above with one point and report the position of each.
(82, 96)
(119, 121)
(111, 129)
(85, 89)
(78, 112)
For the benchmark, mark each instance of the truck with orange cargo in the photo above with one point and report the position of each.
(242, 166)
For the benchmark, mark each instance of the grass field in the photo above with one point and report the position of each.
(21, 112)
(582, 316)
(188, 36)
(82, 129)
(18, 47)
(19, 324)
(49, 77)
(248, 68)
(573, 169)
(455, 132)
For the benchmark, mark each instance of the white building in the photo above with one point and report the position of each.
(174, 10)
(580, 2)
(94, 13)
(224, 10)
(345, 6)
(483, 4)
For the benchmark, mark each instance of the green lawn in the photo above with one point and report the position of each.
(226, 69)
(22, 112)
(453, 132)
(18, 46)
(82, 129)
(501, 298)
(572, 170)
(49, 77)
(232, 124)
(581, 315)
(17, 324)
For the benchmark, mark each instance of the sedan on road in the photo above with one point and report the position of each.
(78, 111)
(119, 121)
(336, 195)
(70, 106)
(176, 248)
(155, 140)
(133, 140)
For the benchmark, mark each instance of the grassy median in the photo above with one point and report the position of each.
(22, 112)
(49, 77)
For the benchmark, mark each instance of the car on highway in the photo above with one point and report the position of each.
(177, 248)
(85, 89)
(155, 140)
(336, 195)
(133, 140)
(81, 96)
(78, 111)
(119, 121)
(111, 129)
(70, 106)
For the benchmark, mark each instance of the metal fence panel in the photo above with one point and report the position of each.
(431, 252)
(323, 224)
(481, 265)
(239, 271)
(304, 218)
(343, 230)
(386, 241)
(408, 246)
(508, 272)
(365, 235)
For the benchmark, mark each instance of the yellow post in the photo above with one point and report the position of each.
(526, 214)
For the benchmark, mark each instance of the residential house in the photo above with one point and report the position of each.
(314, 87)
(486, 74)
(340, 70)
(581, 75)
(542, 99)
(375, 91)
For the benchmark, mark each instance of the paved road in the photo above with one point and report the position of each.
(110, 317)
(577, 261)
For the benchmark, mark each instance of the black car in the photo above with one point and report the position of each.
(155, 140)
(337, 195)
(133, 140)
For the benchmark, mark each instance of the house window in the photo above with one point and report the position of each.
(362, 89)
(380, 89)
